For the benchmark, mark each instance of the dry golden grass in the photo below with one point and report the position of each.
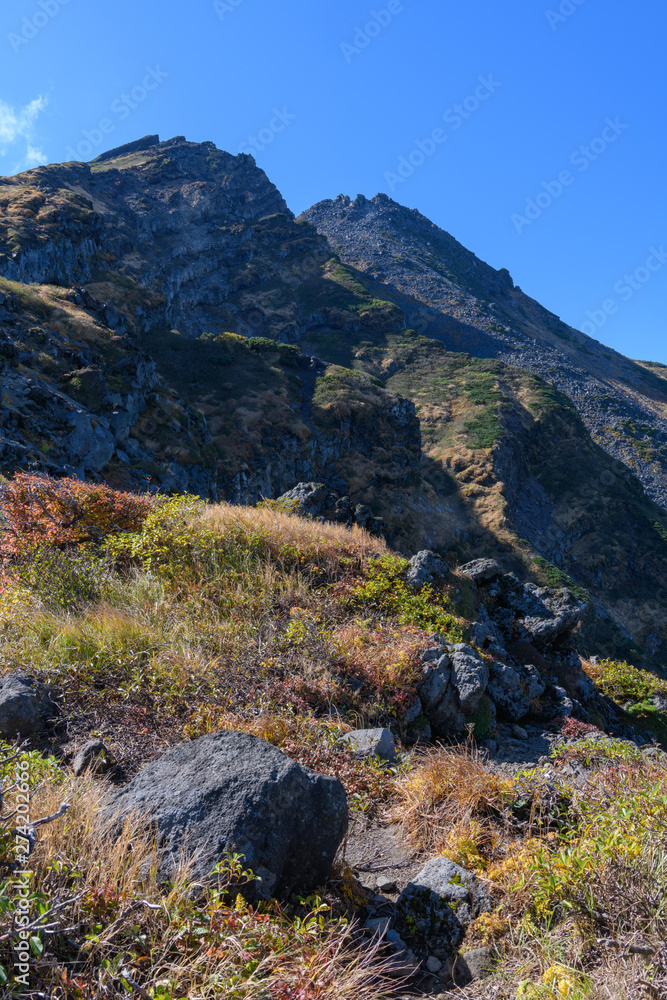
(446, 797)
(308, 535)
(386, 655)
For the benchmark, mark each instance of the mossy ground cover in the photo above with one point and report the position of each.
(199, 617)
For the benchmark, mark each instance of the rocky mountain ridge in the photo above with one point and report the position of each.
(449, 293)
(168, 321)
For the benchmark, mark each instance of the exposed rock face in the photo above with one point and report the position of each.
(25, 705)
(232, 792)
(459, 688)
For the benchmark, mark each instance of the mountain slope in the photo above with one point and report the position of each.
(167, 319)
(449, 293)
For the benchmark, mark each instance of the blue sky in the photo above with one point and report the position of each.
(549, 116)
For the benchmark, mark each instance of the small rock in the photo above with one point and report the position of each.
(491, 746)
(466, 895)
(519, 733)
(378, 925)
(385, 884)
(397, 942)
(426, 567)
(93, 756)
(413, 712)
(371, 743)
(437, 906)
(481, 570)
(475, 964)
(433, 964)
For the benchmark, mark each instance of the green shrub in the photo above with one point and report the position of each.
(385, 592)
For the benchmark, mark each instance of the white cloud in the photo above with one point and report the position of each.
(17, 128)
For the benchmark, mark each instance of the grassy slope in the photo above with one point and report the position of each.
(219, 617)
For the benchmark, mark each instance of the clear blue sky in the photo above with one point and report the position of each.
(348, 116)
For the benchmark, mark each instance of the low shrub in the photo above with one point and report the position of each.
(40, 510)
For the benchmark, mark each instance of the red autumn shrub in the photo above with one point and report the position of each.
(40, 510)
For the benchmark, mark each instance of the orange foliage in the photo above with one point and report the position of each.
(40, 510)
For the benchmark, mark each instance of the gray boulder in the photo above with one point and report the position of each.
(465, 893)
(437, 906)
(548, 618)
(371, 743)
(507, 692)
(93, 756)
(25, 705)
(470, 676)
(481, 570)
(479, 963)
(232, 792)
(308, 499)
(426, 567)
(434, 683)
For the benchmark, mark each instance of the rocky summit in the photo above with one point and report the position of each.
(166, 323)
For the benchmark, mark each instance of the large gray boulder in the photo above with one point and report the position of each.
(539, 615)
(25, 705)
(426, 567)
(232, 792)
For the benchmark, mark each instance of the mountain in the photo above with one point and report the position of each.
(165, 319)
